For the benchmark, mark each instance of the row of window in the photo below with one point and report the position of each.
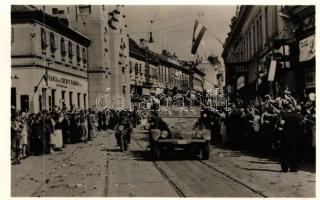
(158, 73)
(252, 41)
(81, 52)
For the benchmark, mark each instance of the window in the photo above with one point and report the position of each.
(63, 95)
(249, 46)
(78, 53)
(53, 46)
(85, 101)
(260, 27)
(84, 55)
(43, 39)
(70, 100)
(274, 19)
(14, 97)
(266, 22)
(136, 69)
(130, 67)
(84, 9)
(78, 99)
(63, 47)
(53, 98)
(245, 48)
(70, 50)
(254, 39)
(12, 35)
(140, 69)
(124, 90)
(63, 98)
(54, 11)
(258, 33)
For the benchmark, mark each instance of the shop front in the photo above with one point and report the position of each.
(35, 91)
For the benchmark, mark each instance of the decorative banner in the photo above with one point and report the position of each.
(307, 48)
(198, 33)
(272, 70)
(240, 82)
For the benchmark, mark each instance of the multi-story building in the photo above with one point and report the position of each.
(260, 37)
(49, 62)
(214, 79)
(166, 74)
(303, 57)
(108, 52)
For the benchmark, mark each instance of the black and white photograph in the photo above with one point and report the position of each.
(162, 100)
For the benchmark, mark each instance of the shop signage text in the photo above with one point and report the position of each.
(63, 82)
(307, 48)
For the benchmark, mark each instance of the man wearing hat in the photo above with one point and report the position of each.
(292, 123)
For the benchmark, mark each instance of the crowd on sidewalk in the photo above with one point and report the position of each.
(262, 124)
(46, 132)
(50, 131)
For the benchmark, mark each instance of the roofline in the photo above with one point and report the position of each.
(50, 21)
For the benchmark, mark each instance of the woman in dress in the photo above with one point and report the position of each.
(24, 135)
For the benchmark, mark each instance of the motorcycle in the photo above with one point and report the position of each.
(123, 135)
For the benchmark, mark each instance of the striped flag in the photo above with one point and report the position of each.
(198, 33)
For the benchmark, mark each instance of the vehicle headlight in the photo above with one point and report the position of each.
(164, 134)
(206, 134)
(121, 128)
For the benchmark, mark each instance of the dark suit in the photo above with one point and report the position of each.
(289, 140)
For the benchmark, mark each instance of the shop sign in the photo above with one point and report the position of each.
(240, 82)
(145, 91)
(63, 82)
(310, 79)
(307, 48)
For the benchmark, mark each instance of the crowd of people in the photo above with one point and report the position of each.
(46, 132)
(265, 124)
(50, 131)
(268, 124)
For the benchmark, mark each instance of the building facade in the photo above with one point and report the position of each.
(303, 58)
(261, 42)
(166, 74)
(214, 78)
(49, 62)
(108, 51)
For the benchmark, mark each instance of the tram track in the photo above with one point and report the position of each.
(163, 173)
(179, 191)
(233, 178)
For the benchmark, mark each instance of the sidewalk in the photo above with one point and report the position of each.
(263, 174)
(78, 170)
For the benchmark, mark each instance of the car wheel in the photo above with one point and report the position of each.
(204, 152)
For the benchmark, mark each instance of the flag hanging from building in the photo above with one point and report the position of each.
(198, 33)
(272, 70)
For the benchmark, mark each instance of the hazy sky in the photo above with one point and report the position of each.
(173, 27)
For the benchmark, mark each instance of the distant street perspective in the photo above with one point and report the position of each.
(163, 101)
